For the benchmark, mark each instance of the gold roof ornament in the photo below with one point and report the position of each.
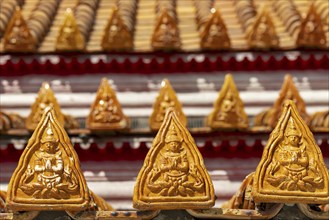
(173, 175)
(288, 92)
(262, 34)
(228, 112)
(242, 199)
(117, 36)
(18, 37)
(214, 36)
(106, 112)
(319, 121)
(45, 98)
(69, 36)
(48, 175)
(166, 98)
(292, 169)
(166, 33)
(311, 32)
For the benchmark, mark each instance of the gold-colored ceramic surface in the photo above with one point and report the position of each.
(214, 36)
(319, 121)
(228, 112)
(311, 32)
(166, 33)
(70, 122)
(69, 36)
(2, 201)
(173, 175)
(292, 169)
(48, 175)
(106, 112)
(242, 199)
(18, 37)
(100, 203)
(261, 34)
(5, 122)
(288, 92)
(167, 98)
(44, 99)
(116, 34)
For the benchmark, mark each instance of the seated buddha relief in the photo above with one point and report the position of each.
(106, 112)
(292, 167)
(18, 37)
(228, 112)
(48, 175)
(262, 34)
(116, 34)
(173, 175)
(166, 98)
(311, 33)
(166, 33)
(69, 36)
(214, 35)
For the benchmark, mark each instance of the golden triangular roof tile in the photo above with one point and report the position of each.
(106, 112)
(45, 98)
(288, 92)
(319, 121)
(166, 33)
(228, 112)
(173, 175)
(166, 98)
(262, 34)
(292, 169)
(18, 37)
(242, 199)
(48, 175)
(311, 33)
(117, 36)
(214, 36)
(69, 36)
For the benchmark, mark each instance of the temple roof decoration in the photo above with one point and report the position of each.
(319, 121)
(17, 37)
(292, 169)
(11, 121)
(242, 199)
(214, 35)
(288, 91)
(166, 33)
(106, 112)
(262, 34)
(44, 99)
(166, 98)
(48, 175)
(117, 36)
(228, 112)
(311, 33)
(69, 37)
(173, 175)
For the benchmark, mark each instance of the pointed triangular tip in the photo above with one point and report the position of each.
(165, 83)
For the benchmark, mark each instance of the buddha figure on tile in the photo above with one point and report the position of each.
(292, 169)
(18, 37)
(117, 36)
(52, 179)
(166, 33)
(262, 34)
(48, 175)
(167, 98)
(69, 36)
(311, 33)
(292, 157)
(214, 35)
(172, 176)
(45, 98)
(106, 112)
(228, 112)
